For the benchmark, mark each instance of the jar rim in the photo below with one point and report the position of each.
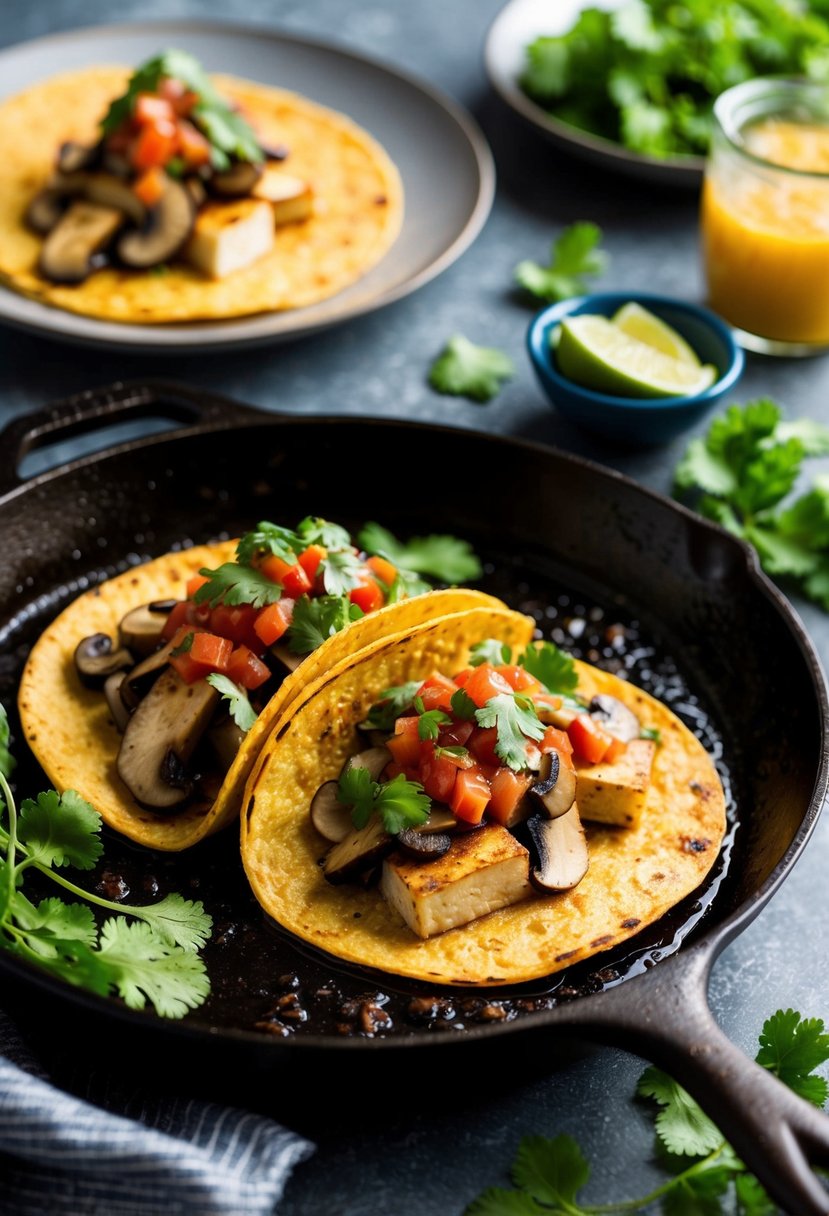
(728, 106)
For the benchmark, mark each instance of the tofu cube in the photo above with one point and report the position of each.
(290, 198)
(229, 236)
(615, 793)
(483, 870)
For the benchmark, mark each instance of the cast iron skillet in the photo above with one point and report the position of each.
(689, 582)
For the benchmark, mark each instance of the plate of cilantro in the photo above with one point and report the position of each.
(629, 84)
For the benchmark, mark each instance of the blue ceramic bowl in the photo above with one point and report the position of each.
(634, 420)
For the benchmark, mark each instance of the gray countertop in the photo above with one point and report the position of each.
(377, 366)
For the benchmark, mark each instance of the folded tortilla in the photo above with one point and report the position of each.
(358, 206)
(69, 728)
(634, 877)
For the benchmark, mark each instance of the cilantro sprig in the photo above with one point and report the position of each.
(143, 954)
(516, 722)
(706, 1174)
(399, 803)
(444, 558)
(230, 135)
(239, 706)
(742, 474)
(393, 702)
(429, 721)
(232, 583)
(463, 369)
(315, 620)
(575, 257)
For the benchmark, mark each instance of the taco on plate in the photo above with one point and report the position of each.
(167, 195)
(152, 693)
(461, 805)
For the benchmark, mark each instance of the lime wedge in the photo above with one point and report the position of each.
(637, 322)
(592, 351)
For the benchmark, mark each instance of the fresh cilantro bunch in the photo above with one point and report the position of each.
(742, 473)
(646, 73)
(230, 135)
(141, 953)
(399, 803)
(575, 257)
(463, 369)
(706, 1173)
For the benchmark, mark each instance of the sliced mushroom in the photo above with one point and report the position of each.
(112, 692)
(615, 717)
(196, 189)
(440, 820)
(374, 759)
(116, 164)
(139, 681)
(281, 652)
(226, 738)
(275, 151)
(360, 850)
(163, 607)
(45, 211)
(140, 630)
(69, 251)
(328, 815)
(95, 659)
(562, 851)
(166, 228)
(424, 846)
(237, 181)
(103, 188)
(556, 787)
(74, 156)
(160, 738)
(560, 716)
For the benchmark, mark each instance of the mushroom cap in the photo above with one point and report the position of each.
(167, 226)
(68, 253)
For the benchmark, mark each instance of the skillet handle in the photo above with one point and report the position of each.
(103, 407)
(664, 1016)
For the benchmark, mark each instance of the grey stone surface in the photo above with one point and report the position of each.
(377, 365)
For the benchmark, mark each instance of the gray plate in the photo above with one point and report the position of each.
(446, 167)
(512, 30)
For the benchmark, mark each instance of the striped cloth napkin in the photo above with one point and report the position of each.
(63, 1156)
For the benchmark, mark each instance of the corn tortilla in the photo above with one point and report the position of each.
(358, 206)
(634, 875)
(69, 728)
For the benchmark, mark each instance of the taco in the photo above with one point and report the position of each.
(152, 693)
(166, 195)
(452, 850)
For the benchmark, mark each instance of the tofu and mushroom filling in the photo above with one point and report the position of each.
(472, 793)
(186, 679)
(177, 173)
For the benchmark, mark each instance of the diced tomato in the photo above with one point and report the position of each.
(271, 623)
(368, 597)
(296, 582)
(156, 144)
(590, 741)
(119, 140)
(463, 677)
(192, 144)
(437, 692)
(383, 569)
(508, 788)
(437, 774)
(555, 740)
(546, 700)
(310, 560)
(237, 623)
(616, 749)
(246, 669)
(456, 735)
(482, 745)
(177, 93)
(274, 567)
(405, 746)
(485, 682)
(194, 583)
(179, 615)
(518, 678)
(470, 795)
(150, 186)
(150, 108)
(188, 668)
(210, 649)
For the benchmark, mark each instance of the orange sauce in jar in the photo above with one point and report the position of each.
(765, 233)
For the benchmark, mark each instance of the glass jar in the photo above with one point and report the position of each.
(765, 214)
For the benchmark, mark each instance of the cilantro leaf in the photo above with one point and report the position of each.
(489, 651)
(555, 669)
(394, 702)
(6, 759)
(697, 1195)
(498, 1202)
(341, 571)
(792, 1047)
(462, 705)
(53, 918)
(356, 789)
(142, 967)
(681, 1125)
(239, 706)
(316, 620)
(176, 920)
(463, 369)
(516, 722)
(574, 258)
(444, 558)
(268, 538)
(430, 721)
(402, 804)
(551, 1171)
(316, 531)
(233, 584)
(406, 586)
(60, 830)
(752, 1200)
(184, 647)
